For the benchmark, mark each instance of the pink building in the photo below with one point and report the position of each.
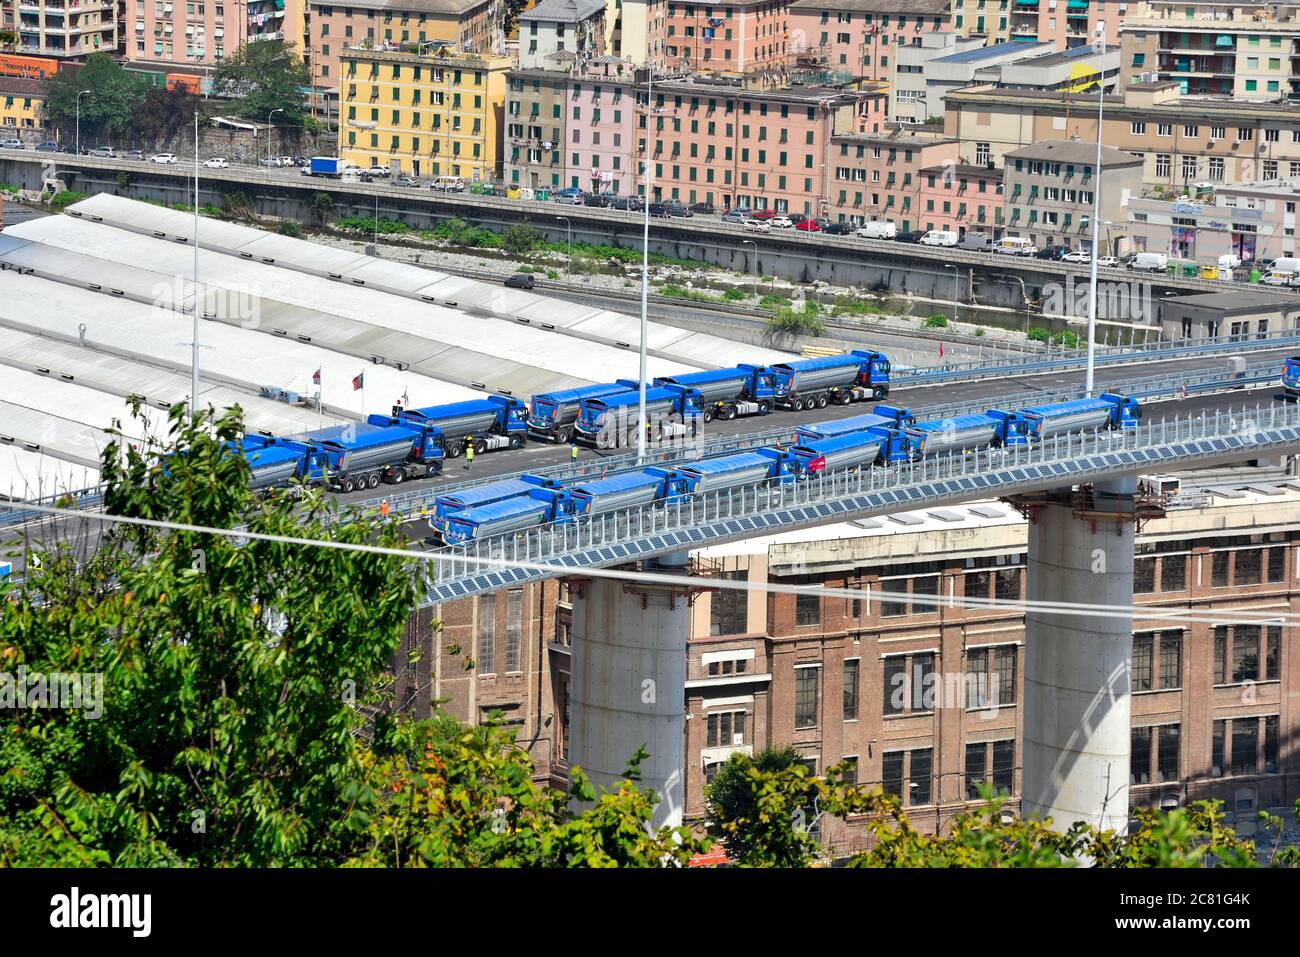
(858, 37)
(601, 108)
(1070, 23)
(200, 33)
(876, 176)
(960, 198)
(717, 142)
(736, 36)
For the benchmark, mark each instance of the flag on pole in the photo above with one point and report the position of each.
(315, 377)
(359, 382)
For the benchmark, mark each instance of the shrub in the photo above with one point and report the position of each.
(521, 238)
(1038, 334)
(289, 228)
(936, 321)
(786, 319)
(734, 295)
(66, 198)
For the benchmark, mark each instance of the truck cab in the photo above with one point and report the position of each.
(1291, 376)
(903, 418)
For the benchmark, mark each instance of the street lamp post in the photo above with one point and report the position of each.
(195, 299)
(754, 271)
(1096, 221)
(269, 117)
(79, 96)
(568, 230)
(645, 260)
(956, 288)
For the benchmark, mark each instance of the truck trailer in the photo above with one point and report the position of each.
(361, 456)
(497, 422)
(552, 415)
(608, 421)
(1107, 411)
(815, 383)
(730, 393)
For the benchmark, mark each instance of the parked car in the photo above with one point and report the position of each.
(627, 203)
(568, 191)
(659, 209)
(596, 200)
(448, 184)
(134, 155)
(269, 161)
(409, 182)
(736, 216)
(1015, 246)
(375, 170)
(11, 144)
(163, 158)
(1051, 252)
(975, 242)
(910, 236)
(48, 148)
(808, 226)
(1111, 262)
(1077, 256)
(106, 152)
(763, 214)
(797, 218)
(216, 162)
(521, 280)
(704, 209)
(678, 210)
(757, 225)
(570, 199)
(351, 169)
(1149, 262)
(840, 227)
(781, 222)
(302, 161)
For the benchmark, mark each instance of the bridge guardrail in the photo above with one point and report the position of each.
(748, 510)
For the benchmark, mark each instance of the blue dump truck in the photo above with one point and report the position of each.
(612, 420)
(1107, 411)
(814, 383)
(740, 468)
(497, 422)
(361, 456)
(444, 506)
(854, 450)
(1291, 376)
(273, 465)
(896, 444)
(552, 415)
(329, 167)
(730, 393)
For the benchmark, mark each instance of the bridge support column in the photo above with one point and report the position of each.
(628, 684)
(1077, 701)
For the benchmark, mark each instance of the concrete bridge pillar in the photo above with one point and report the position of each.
(1077, 700)
(628, 682)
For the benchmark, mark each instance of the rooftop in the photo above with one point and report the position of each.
(980, 54)
(1115, 103)
(965, 169)
(1071, 55)
(1242, 300)
(564, 11)
(1075, 151)
(418, 6)
(925, 7)
(21, 86)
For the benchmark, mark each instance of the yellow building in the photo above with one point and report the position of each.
(22, 105)
(437, 112)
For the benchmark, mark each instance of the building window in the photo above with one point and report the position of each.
(729, 607)
(1140, 756)
(514, 629)
(1168, 737)
(807, 607)
(919, 780)
(1171, 659)
(1004, 766)
(895, 677)
(976, 755)
(1245, 746)
(805, 697)
(1140, 666)
(891, 772)
(487, 634)
(726, 729)
(851, 670)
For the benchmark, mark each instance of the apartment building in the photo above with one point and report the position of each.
(562, 26)
(536, 112)
(1051, 186)
(736, 36)
(1068, 23)
(67, 29)
(1074, 70)
(199, 33)
(877, 176)
(1183, 139)
(960, 198)
(1241, 313)
(862, 38)
(842, 679)
(602, 123)
(1252, 221)
(907, 92)
(1240, 50)
(467, 25)
(733, 143)
(22, 107)
(438, 113)
(957, 70)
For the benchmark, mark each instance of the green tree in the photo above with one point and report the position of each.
(789, 320)
(321, 205)
(162, 114)
(262, 77)
(107, 111)
(520, 239)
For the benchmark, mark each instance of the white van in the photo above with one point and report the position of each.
(1281, 277)
(1015, 246)
(881, 229)
(938, 237)
(1285, 264)
(449, 184)
(1149, 262)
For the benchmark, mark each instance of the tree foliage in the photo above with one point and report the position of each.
(244, 718)
(521, 238)
(108, 110)
(162, 114)
(262, 77)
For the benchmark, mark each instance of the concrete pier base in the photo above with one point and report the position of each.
(1077, 695)
(628, 683)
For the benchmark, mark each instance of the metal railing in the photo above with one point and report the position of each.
(760, 508)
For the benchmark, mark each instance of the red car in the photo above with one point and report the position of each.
(763, 214)
(808, 226)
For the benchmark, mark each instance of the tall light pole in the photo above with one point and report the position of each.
(269, 117)
(79, 96)
(568, 229)
(754, 272)
(645, 261)
(1096, 216)
(194, 354)
(956, 288)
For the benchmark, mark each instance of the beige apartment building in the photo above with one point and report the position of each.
(1247, 51)
(162, 34)
(1183, 140)
(61, 28)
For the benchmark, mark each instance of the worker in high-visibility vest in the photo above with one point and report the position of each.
(469, 451)
(384, 509)
(573, 453)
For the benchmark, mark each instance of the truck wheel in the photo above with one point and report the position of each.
(516, 441)
(843, 398)
(729, 413)
(877, 394)
(398, 476)
(707, 416)
(479, 446)
(797, 404)
(822, 401)
(563, 435)
(454, 450)
(349, 485)
(372, 480)
(764, 408)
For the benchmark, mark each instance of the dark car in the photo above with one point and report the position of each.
(48, 148)
(658, 209)
(521, 280)
(595, 199)
(911, 236)
(679, 210)
(301, 161)
(797, 218)
(704, 209)
(1051, 252)
(841, 228)
(627, 203)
